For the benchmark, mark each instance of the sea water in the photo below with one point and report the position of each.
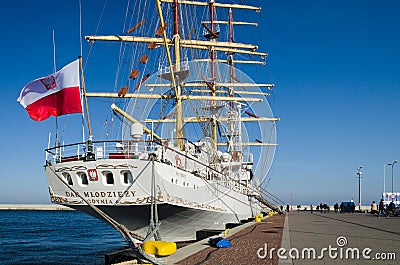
(55, 237)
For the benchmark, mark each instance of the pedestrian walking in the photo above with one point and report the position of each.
(336, 207)
(325, 207)
(381, 208)
(391, 208)
(374, 208)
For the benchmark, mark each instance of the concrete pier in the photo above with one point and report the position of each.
(34, 207)
(245, 239)
(357, 238)
(319, 238)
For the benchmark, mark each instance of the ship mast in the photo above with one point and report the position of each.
(214, 47)
(231, 88)
(178, 108)
(177, 88)
(213, 36)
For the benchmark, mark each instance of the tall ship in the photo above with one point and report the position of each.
(194, 134)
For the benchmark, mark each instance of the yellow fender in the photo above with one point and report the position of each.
(227, 232)
(258, 218)
(159, 248)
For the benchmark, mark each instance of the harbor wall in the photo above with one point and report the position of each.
(56, 207)
(35, 207)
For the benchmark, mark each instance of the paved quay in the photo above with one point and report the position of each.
(318, 238)
(245, 239)
(344, 235)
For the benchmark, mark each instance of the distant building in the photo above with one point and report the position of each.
(389, 197)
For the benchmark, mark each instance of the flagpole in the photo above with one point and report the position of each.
(86, 101)
(83, 120)
(48, 147)
(80, 44)
(90, 154)
(55, 70)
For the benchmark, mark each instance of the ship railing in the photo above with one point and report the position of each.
(96, 150)
(118, 149)
(140, 149)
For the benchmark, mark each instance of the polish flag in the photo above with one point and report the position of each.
(53, 95)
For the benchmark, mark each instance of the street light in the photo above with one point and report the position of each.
(392, 164)
(359, 173)
(384, 178)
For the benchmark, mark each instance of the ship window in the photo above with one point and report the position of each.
(83, 179)
(108, 178)
(68, 178)
(127, 177)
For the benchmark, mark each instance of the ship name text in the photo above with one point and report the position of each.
(101, 194)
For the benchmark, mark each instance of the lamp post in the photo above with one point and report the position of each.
(384, 178)
(359, 173)
(392, 164)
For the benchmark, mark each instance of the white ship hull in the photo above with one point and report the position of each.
(186, 203)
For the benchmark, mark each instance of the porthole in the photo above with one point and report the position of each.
(108, 178)
(82, 178)
(68, 178)
(127, 177)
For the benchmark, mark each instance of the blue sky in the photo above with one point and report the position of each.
(334, 63)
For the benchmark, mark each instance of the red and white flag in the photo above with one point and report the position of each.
(53, 95)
